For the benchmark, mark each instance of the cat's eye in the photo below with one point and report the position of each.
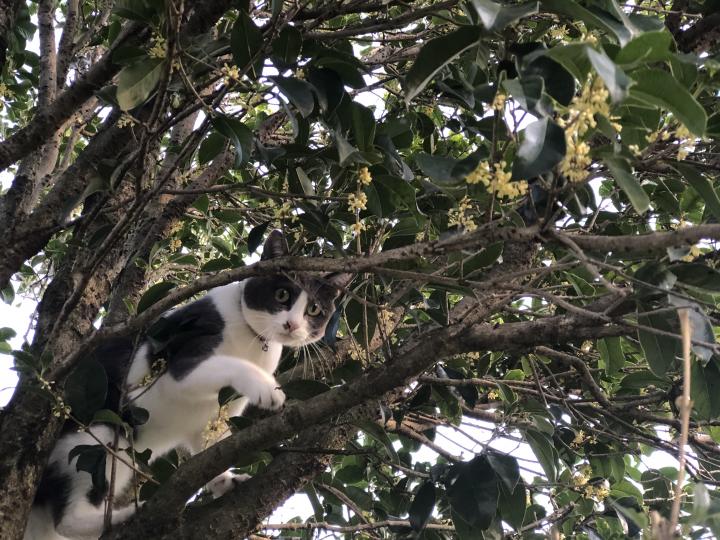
(314, 310)
(282, 295)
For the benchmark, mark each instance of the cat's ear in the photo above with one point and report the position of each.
(338, 280)
(275, 246)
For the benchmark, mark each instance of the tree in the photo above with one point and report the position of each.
(526, 193)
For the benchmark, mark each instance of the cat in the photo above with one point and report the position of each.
(232, 337)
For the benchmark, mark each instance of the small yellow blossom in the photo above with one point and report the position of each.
(635, 149)
(559, 32)
(357, 228)
(357, 201)
(497, 181)
(493, 395)
(579, 439)
(498, 103)
(285, 211)
(580, 480)
(574, 165)
(126, 120)
(175, 244)
(158, 48)
(230, 73)
(694, 253)
(216, 427)
(460, 215)
(5, 91)
(686, 142)
(364, 176)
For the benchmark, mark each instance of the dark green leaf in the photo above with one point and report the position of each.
(211, 146)
(153, 294)
(255, 236)
(378, 433)
(495, 17)
(697, 275)
(701, 328)
(543, 448)
(6, 333)
(528, 92)
(298, 92)
(613, 76)
(422, 506)
(663, 90)
(239, 135)
(622, 173)
(543, 146)
(91, 459)
(506, 468)
(136, 82)
(106, 416)
(703, 185)
(705, 390)
(439, 168)
(435, 55)
(304, 389)
(287, 45)
(246, 43)
(86, 389)
(473, 491)
(647, 48)
(660, 350)
(611, 355)
(559, 83)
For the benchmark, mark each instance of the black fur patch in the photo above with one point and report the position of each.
(193, 332)
(53, 491)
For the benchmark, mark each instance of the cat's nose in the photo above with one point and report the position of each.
(291, 326)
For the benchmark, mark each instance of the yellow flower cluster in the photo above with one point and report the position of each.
(126, 120)
(175, 244)
(284, 211)
(686, 142)
(159, 47)
(357, 201)
(498, 103)
(599, 493)
(357, 227)
(460, 216)
(364, 176)
(230, 73)
(216, 427)
(497, 181)
(593, 100)
(695, 252)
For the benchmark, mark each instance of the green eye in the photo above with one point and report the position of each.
(282, 295)
(314, 310)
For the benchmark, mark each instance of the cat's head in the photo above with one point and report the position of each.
(293, 308)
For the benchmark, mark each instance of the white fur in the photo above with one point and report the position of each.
(180, 410)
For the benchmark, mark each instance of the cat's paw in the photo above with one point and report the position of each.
(266, 394)
(225, 482)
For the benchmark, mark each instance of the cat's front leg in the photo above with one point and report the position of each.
(257, 385)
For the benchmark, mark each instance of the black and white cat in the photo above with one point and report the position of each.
(232, 337)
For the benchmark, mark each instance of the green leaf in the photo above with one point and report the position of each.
(613, 76)
(513, 505)
(246, 43)
(7, 333)
(347, 153)
(622, 173)
(596, 18)
(703, 185)
(255, 236)
(647, 48)
(662, 89)
(136, 82)
(542, 447)
(659, 350)
(86, 389)
(239, 135)
(378, 433)
(304, 388)
(106, 416)
(211, 146)
(701, 327)
(473, 491)
(435, 55)
(697, 275)
(363, 126)
(153, 294)
(573, 58)
(298, 92)
(495, 17)
(440, 168)
(91, 459)
(506, 468)
(287, 45)
(559, 83)
(422, 506)
(543, 146)
(705, 390)
(529, 93)
(611, 355)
